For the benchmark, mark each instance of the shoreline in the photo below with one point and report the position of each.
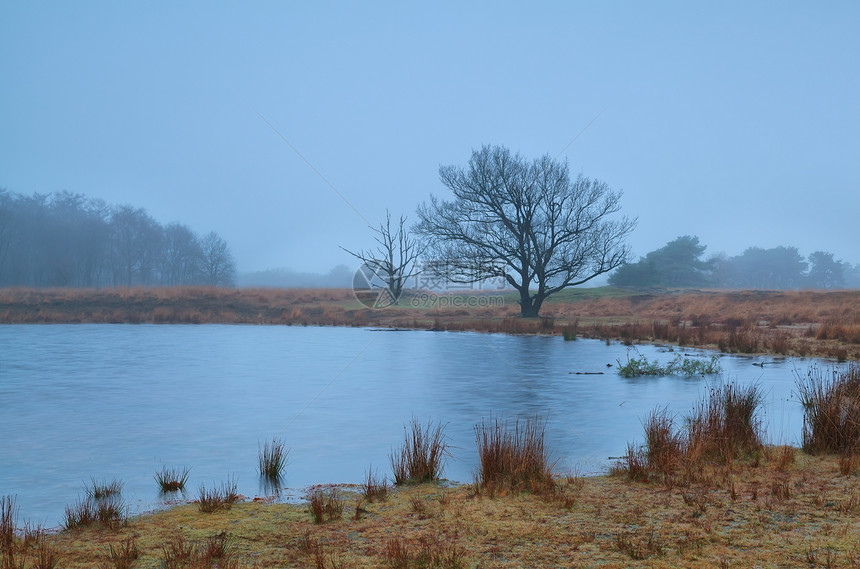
(732, 516)
(790, 323)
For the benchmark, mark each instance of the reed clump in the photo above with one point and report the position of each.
(831, 410)
(422, 456)
(722, 427)
(172, 479)
(29, 548)
(272, 459)
(218, 497)
(375, 489)
(214, 551)
(326, 506)
(513, 458)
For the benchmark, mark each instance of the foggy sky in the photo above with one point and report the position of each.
(735, 123)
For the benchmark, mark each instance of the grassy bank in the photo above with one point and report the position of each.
(804, 323)
(803, 514)
(702, 493)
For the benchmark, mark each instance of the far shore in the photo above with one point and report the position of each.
(792, 323)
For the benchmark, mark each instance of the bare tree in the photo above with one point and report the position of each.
(526, 222)
(394, 259)
(217, 263)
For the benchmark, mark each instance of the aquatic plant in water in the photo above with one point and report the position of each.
(679, 366)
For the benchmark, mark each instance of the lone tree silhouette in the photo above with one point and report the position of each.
(526, 222)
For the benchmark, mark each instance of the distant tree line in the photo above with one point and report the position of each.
(69, 240)
(680, 264)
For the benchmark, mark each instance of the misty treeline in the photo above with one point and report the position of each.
(681, 264)
(68, 240)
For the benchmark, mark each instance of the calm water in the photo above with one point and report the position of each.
(105, 401)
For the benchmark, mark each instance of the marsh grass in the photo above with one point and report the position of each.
(513, 458)
(326, 506)
(8, 519)
(422, 456)
(831, 410)
(100, 490)
(29, 549)
(108, 512)
(427, 552)
(569, 332)
(664, 444)
(272, 459)
(679, 366)
(172, 479)
(722, 427)
(375, 489)
(123, 555)
(218, 498)
(214, 551)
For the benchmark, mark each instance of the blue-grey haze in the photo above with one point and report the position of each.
(733, 121)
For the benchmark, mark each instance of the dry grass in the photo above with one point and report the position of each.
(804, 323)
(217, 498)
(721, 429)
(513, 458)
(831, 410)
(774, 514)
(422, 456)
(29, 547)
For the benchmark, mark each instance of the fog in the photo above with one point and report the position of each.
(289, 128)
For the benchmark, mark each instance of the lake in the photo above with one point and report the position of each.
(120, 401)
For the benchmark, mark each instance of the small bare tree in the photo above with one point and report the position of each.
(394, 261)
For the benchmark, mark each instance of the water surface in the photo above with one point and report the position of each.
(105, 401)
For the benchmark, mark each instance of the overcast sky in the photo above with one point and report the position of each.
(736, 122)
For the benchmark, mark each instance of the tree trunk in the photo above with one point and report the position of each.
(529, 307)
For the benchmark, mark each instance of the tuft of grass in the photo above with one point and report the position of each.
(428, 552)
(422, 456)
(80, 514)
(172, 479)
(513, 459)
(724, 425)
(569, 331)
(326, 506)
(272, 459)
(639, 547)
(15, 550)
(103, 505)
(123, 555)
(8, 519)
(218, 498)
(664, 445)
(104, 489)
(831, 410)
(375, 489)
(214, 551)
